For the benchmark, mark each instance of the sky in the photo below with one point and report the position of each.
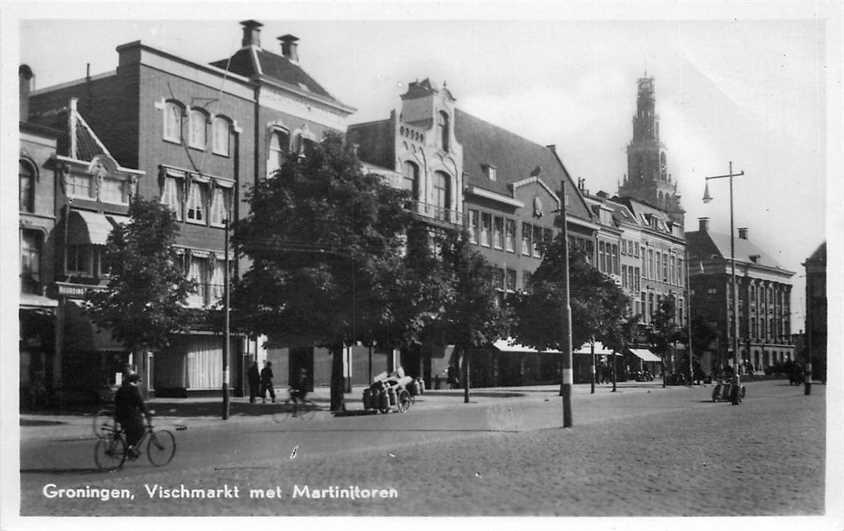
(751, 90)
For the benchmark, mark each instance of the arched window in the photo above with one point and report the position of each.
(277, 151)
(442, 124)
(198, 129)
(442, 195)
(410, 181)
(222, 136)
(26, 180)
(173, 121)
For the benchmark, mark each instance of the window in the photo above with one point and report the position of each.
(474, 226)
(547, 236)
(442, 195)
(623, 276)
(221, 205)
(651, 306)
(171, 195)
(498, 233)
(511, 280)
(198, 129)
(615, 259)
(197, 271)
(79, 259)
(277, 150)
(410, 179)
(680, 272)
(486, 229)
(526, 280)
(442, 125)
(196, 202)
(651, 272)
(216, 284)
(30, 247)
(537, 242)
(222, 136)
(510, 235)
(173, 121)
(26, 183)
(490, 172)
(527, 238)
(81, 186)
(665, 268)
(114, 191)
(602, 261)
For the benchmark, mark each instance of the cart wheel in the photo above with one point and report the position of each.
(403, 401)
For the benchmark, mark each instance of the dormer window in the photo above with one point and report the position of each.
(754, 258)
(489, 171)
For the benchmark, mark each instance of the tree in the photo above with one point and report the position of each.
(664, 331)
(597, 303)
(144, 302)
(472, 316)
(325, 242)
(618, 335)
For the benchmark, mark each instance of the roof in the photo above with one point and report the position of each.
(514, 157)
(704, 244)
(819, 256)
(275, 67)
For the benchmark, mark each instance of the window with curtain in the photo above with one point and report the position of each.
(486, 229)
(511, 280)
(198, 129)
(527, 238)
(216, 284)
(222, 136)
(510, 235)
(196, 202)
(498, 233)
(197, 271)
(474, 226)
(279, 142)
(205, 359)
(114, 191)
(26, 186)
(220, 205)
(171, 195)
(172, 121)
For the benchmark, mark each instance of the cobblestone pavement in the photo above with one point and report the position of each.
(669, 453)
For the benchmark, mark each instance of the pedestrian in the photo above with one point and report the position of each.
(254, 377)
(267, 382)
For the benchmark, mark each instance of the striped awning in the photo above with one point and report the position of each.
(91, 228)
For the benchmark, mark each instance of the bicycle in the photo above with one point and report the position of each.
(296, 407)
(110, 452)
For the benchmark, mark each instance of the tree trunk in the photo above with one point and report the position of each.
(338, 403)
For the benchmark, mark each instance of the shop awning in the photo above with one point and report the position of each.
(600, 349)
(644, 354)
(30, 301)
(510, 345)
(91, 228)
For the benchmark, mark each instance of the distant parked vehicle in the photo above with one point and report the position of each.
(724, 391)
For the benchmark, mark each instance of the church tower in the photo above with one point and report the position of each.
(647, 176)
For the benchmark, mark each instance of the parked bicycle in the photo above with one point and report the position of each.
(111, 449)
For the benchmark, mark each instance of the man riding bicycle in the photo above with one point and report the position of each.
(299, 387)
(128, 410)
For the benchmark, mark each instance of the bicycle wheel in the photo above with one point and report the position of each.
(161, 447)
(103, 423)
(110, 453)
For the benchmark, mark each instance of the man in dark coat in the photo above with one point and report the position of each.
(267, 381)
(254, 378)
(128, 408)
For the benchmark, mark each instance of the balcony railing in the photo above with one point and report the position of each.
(435, 212)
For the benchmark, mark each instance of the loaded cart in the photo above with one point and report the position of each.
(391, 390)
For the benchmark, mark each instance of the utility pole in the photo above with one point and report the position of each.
(706, 198)
(689, 320)
(226, 323)
(592, 343)
(568, 375)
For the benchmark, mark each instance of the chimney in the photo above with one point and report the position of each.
(25, 77)
(703, 224)
(251, 33)
(742, 233)
(289, 47)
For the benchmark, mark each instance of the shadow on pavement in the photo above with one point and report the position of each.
(486, 394)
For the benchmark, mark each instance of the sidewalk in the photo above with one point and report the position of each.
(184, 413)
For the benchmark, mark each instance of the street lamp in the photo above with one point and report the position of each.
(706, 199)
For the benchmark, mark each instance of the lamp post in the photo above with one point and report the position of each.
(568, 375)
(707, 198)
(226, 322)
